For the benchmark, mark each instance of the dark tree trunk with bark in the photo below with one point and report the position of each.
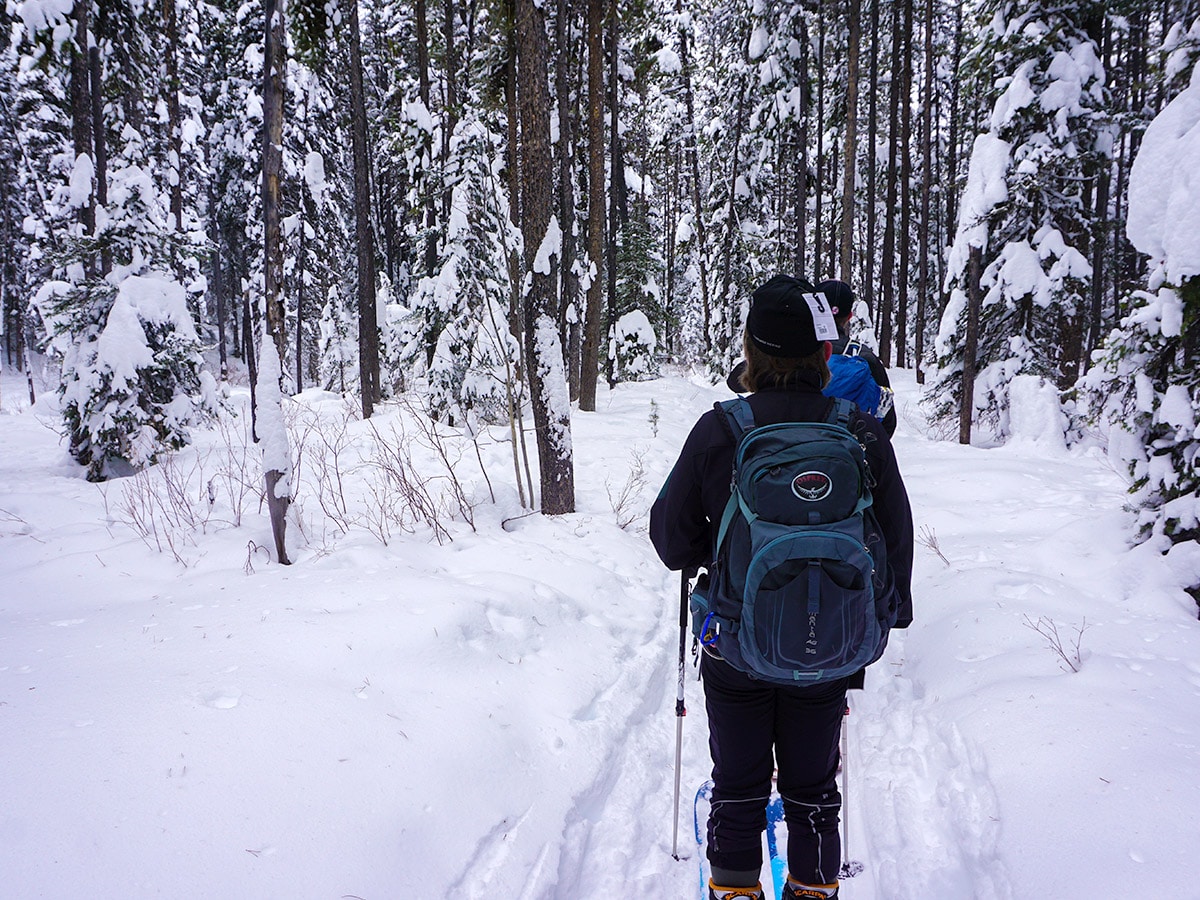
(81, 112)
(819, 231)
(431, 249)
(693, 152)
(543, 351)
(952, 140)
(725, 298)
(617, 208)
(565, 150)
(274, 72)
(218, 288)
(849, 166)
(802, 171)
(868, 287)
(100, 145)
(368, 325)
(671, 217)
(926, 178)
(888, 269)
(513, 169)
(175, 134)
(905, 231)
(970, 344)
(589, 364)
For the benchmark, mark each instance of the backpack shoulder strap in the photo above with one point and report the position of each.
(739, 419)
(737, 415)
(840, 412)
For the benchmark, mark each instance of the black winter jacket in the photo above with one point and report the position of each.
(684, 518)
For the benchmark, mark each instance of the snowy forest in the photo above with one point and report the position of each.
(482, 208)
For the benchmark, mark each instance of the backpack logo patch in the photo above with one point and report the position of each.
(812, 486)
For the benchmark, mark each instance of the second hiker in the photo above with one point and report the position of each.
(756, 725)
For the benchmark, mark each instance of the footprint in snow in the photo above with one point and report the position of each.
(225, 698)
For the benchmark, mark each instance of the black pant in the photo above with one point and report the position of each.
(747, 719)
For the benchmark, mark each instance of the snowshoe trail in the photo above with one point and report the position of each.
(924, 799)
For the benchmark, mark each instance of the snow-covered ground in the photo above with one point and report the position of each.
(492, 716)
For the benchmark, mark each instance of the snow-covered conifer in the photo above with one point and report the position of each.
(112, 306)
(1024, 207)
(634, 346)
(462, 307)
(1145, 387)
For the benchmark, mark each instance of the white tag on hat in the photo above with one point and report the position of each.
(823, 324)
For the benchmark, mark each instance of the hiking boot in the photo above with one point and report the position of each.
(716, 892)
(794, 890)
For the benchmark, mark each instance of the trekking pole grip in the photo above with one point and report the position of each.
(685, 578)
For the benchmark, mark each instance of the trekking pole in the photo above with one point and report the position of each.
(680, 709)
(850, 867)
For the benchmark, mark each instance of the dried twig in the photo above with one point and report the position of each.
(928, 539)
(626, 503)
(1070, 655)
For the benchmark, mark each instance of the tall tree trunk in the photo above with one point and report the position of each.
(452, 72)
(589, 364)
(513, 169)
(849, 162)
(868, 287)
(819, 231)
(693, 151)
(174, 129)
(833, 244)
(671, 220)
(423, 83)
(905, 189)
(544, 362)
(96, 79)
(731, 216)
(219, 289)
(970, 343)
(726, 298)
(368, 323)
(450, 67)
(1099, 250)
(951, 186)
(276, 452)
(888, 269)
(301, 265)
(568, 315)
(802, 171)
(618, 192)
(927, 96)
(81, 113)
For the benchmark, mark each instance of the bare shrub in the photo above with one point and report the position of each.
(626, 502)
(322, 441)
(1069, 655)
(927, 538)
(433, 439)
(238, 475)
(165, 506)
(398, 497)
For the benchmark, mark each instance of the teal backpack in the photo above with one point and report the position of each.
(799, 560)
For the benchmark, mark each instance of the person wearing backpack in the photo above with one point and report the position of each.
(760, 714)
(841, 299)
(856, 373)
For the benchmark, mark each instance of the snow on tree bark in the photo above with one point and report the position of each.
(270, 427)
(544, 360)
